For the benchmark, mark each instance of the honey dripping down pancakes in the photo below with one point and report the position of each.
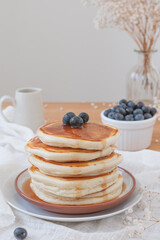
(75, 165)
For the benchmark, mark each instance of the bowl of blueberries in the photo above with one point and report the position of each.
(135, 122)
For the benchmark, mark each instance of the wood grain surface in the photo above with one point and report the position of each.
(54, 111)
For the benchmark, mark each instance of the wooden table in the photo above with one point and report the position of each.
(55, 112)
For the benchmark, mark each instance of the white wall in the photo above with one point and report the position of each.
(53, 44)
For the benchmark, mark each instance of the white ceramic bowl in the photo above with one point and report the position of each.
(135, 135)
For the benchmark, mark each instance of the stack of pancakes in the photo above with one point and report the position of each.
(75, 166)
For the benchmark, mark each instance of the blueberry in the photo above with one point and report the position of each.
(76, 122)
(118, 116)
(140, 105)
(111, 115)
(121, 111)
(137, 111)
(123, 101)
(20, 233)
(131, 104)
(129, 110)
(147, 115)
(145, 109)
(129, 117)
(67, 118)
(153, 111)
(115, 107)
(123, 105)
(84, 116)
(139, 117)
(106, 112)
(71, 114)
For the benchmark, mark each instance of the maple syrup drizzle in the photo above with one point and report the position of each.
(35, 143)
(29, 193)
(89, 131)
(78, 163)
(34, 168)
(123, 187)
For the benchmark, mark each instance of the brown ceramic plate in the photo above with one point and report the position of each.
(22, 188)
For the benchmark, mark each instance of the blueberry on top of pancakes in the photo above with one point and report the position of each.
(67, 117)
(84, 116)
(75, 121)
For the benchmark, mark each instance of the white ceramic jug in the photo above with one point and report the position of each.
(28, 107)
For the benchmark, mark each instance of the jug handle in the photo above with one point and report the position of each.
(2, 100)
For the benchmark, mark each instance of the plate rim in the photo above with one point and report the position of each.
(76, 219)
(114, 201)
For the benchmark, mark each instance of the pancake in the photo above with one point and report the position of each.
(92, 136)
(72, 187)
(107, 194)
(76, 169)
(36, 147)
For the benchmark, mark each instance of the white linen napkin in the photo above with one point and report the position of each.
(145, 165)
(12, 158)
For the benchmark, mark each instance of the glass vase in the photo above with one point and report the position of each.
(143, 79)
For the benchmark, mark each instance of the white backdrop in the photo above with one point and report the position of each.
(53, 44)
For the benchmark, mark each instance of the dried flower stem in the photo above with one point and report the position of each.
(139, 18)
